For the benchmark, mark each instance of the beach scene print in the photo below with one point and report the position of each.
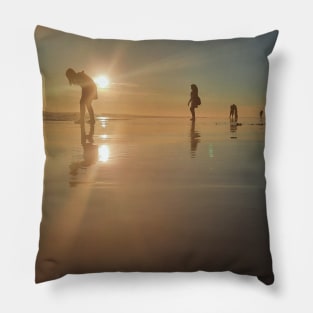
(154, 155)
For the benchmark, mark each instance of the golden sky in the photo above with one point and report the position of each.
(153, 77)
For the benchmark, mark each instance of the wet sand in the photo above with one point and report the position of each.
(153, 194)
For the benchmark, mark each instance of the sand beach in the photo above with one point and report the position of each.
(149, 193)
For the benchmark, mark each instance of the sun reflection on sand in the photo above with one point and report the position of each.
(103, 121)
(104, 153)
(103, 136)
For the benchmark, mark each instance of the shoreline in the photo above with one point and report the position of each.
(71, 116)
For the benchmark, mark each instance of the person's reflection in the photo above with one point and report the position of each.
(233, 130)
(90, 152)
(194, 139)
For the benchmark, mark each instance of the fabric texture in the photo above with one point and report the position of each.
(142, 175)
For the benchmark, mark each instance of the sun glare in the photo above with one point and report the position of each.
(102, 81)
(104, 153)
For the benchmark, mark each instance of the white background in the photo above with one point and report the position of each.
(288, 156)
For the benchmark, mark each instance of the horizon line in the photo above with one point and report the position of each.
(102, 114)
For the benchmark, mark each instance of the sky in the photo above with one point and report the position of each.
(153, 77)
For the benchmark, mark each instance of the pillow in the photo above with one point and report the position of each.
(154, 155)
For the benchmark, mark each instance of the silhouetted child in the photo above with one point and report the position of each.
(194, 101)
(89, 93)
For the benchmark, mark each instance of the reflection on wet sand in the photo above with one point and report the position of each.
(140, 201)
(233, 130)
(194, 139)
(90, 153)
(104, 153)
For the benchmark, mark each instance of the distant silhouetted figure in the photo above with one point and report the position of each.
(194, 100)
(261, 114)
(233, 115)
(89, 93)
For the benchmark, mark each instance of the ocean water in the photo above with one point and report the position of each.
(154, 194)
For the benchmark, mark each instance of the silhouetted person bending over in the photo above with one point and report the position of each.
(194, 101)
(89, 93)
(233, 115)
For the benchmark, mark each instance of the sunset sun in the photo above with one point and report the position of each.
(102, 81)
